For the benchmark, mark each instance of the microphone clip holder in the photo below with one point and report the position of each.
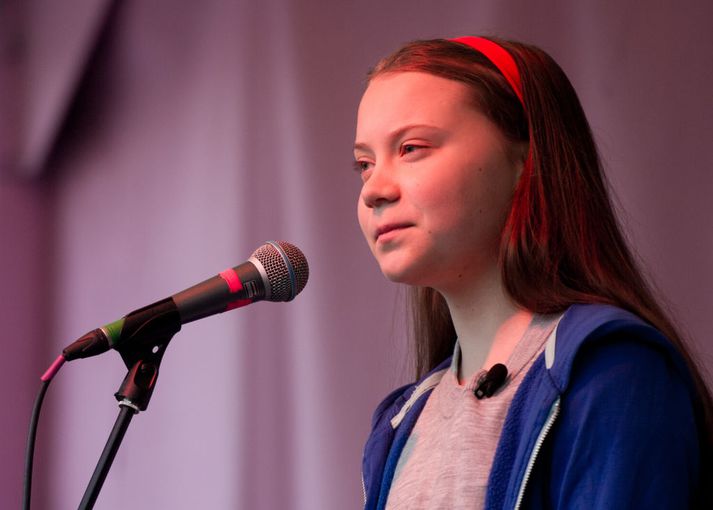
(141, 350)
(140, 381)
(144, 341)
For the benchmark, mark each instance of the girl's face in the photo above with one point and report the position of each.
(438, 177)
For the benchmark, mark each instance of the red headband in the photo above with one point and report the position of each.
(500, 57)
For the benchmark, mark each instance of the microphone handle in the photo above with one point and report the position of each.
(235, 287)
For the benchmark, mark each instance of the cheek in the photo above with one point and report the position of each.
(362, 216)
(470, 206)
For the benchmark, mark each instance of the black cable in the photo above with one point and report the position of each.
(30, 451)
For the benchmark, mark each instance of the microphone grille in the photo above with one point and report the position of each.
(286, 268)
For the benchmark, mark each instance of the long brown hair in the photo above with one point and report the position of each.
(562, 243)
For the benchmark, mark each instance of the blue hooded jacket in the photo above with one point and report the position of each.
(607, 417)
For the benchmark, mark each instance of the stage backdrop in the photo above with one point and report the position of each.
(146, 146)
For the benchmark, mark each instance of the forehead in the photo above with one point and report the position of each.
(412, 97)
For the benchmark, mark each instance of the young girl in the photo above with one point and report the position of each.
(482, 189)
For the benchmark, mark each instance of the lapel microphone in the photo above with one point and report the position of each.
(491, 381)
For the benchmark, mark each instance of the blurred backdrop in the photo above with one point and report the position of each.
(147, 145)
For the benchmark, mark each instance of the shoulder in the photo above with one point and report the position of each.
(401, 405)
(592, 337)
(400, 400)
(614, 366)
(392, 402)
(627, 431)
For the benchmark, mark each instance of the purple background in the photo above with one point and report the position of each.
(145, 146)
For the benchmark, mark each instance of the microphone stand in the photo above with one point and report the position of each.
(142, 354)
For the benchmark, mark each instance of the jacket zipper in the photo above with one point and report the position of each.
(363, 489)
(554, 412)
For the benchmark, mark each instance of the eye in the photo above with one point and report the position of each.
(361, 166)
(410, 148)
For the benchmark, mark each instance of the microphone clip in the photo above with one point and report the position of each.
(144, 336)
(491, 381)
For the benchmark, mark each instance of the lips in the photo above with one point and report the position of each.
(390, 229)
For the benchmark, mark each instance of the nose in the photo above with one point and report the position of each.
(380, 188)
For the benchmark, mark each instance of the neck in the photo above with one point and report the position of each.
(488, 323)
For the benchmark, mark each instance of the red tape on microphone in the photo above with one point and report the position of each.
(235, 285)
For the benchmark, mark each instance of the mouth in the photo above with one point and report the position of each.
(388, 231)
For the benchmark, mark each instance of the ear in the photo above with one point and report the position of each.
(520, 157)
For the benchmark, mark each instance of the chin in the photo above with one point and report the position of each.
(407, 275)
(392, 272)
(396, 277)
(409, 265)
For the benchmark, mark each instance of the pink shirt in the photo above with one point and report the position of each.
(447, 458)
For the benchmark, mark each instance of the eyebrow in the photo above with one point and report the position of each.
(395, 134)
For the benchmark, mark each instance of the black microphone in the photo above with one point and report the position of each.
(277, 271)
(491, 381)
